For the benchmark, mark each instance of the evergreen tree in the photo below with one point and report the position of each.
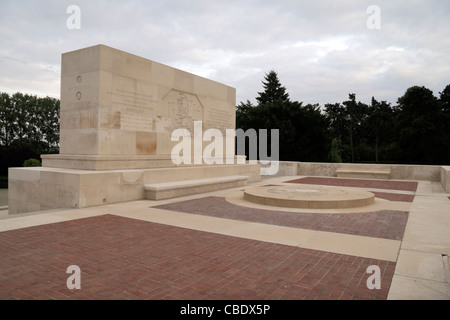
(273, 90)
(445, 99)
(419, 122)
(415, 131)
(302, 129)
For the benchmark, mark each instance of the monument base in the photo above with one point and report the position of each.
(105, 162)
(44, 188)
(117, 162)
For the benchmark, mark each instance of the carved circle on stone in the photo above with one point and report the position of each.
(79, 79)
(78, 95)
(316, 197)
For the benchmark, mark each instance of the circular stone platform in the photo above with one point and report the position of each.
(313, 197)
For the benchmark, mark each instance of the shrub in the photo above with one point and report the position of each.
(13, 157)
(335, 152)
(3, 182)
(32, 163)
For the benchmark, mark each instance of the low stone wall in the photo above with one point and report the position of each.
(445, 178)
(41, 188)
(397, 171)
(415, 172)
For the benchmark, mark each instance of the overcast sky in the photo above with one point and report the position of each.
(322, 50)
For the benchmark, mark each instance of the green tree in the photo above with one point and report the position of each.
(29, 120)
(355, 112)
(380, 122)
(420, 126)
(444, 99)
(273, 90)
(415, 130)
(337, 120)
(335, 151)
(302, 129)
(312, 137)
(245, 115)
(20, 111)
(29, 127)
(346, 125)
(6, 120)
(48, 115)
(338, 125)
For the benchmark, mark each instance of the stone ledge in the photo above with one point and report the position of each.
(345, 173)
(121, 162)
(105, 162)
(445, 178)
(174, 189)
(41, 188)
(372, 171)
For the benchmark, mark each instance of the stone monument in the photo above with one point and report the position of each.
(118, 113)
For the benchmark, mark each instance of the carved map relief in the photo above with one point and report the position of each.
(184, 108)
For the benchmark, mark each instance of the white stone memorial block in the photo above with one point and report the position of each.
(118, 110)
(118, 117)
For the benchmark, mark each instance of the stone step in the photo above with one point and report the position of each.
(363, 171)
(342, 173)
(175, 189)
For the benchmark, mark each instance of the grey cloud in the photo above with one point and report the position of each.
(322, 50)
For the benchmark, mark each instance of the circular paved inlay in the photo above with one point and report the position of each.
(317, 197)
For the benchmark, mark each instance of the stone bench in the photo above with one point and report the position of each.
(362, 171)
(174, 189)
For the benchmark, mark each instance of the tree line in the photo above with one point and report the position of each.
(29, 127)
(416, 130)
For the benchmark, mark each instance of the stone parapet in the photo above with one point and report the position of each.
(42, 188)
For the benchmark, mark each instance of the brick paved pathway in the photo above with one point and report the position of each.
(122, 258)
(394, 196)
(387, 224)
(361, 183)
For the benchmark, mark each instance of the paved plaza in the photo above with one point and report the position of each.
(219, 246)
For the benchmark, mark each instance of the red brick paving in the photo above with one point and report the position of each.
(123, 258)
(377, 184)
(394, 196)
(387, 224)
